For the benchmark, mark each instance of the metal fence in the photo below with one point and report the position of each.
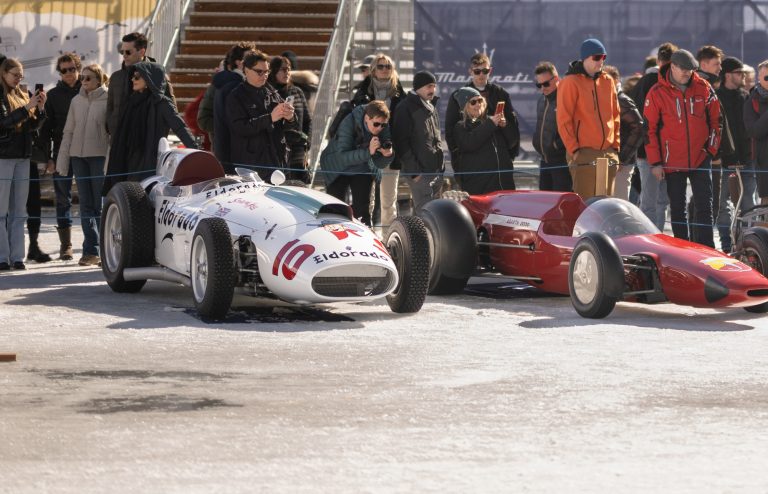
(164, 28)
(331, 75)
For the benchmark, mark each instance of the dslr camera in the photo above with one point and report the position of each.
(386, 144)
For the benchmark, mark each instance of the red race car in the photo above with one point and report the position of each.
(598, 252)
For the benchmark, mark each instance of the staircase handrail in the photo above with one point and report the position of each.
(164, 28)
(331, 75)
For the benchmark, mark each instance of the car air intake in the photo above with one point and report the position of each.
(353, 281)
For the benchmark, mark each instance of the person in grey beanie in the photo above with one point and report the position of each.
(417, 140)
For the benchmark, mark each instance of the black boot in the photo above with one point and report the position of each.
(65, 237)
(34, 253)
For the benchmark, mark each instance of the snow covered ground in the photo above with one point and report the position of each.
(131, 393)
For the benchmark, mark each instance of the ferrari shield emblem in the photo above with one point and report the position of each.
(724, 264)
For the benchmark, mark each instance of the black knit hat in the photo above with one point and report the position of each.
(421, 79)
(732, 64)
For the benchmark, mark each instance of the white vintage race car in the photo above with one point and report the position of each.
(226, 234)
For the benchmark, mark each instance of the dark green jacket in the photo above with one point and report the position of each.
(348, 150)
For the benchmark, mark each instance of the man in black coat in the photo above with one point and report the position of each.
(756, 125)
(223, 83)
(553, 168)
(57, 108)
(732, 96)
(480, 71)
(418, 142)
(258, 116)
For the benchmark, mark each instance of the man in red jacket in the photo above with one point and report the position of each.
(683, 116)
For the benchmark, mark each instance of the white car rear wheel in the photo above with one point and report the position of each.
(127, 235)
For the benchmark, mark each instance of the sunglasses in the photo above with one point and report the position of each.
(598, 58)
(259, 72)
(68, 70)
(481, 71)
(384, 66)
(376, 125)
(136, 76)
(765, 78)
(126, 53)
(544, 84)
(475, 101)
(88, 78)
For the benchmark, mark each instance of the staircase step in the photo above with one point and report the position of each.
(256, 34)
(184, 90)
(220, 48)
(282, 7)
(235, 19)
(191, 76)
(209, 62)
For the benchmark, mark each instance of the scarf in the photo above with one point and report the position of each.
(380, 88)
(763, 93)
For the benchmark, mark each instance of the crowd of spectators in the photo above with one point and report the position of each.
(685, 120)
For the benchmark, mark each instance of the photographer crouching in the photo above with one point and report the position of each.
(356, 154)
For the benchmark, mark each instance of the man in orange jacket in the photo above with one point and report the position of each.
(588, 118)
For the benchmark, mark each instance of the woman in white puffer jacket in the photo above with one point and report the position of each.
(84, 147)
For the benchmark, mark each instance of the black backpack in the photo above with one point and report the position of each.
(345, 108)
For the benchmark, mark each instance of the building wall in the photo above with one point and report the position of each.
(38, 32)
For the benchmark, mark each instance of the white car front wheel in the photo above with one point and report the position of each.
(212, 268)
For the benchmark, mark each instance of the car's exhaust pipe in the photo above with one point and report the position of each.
(156, 273)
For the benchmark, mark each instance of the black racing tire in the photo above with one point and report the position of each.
(595, 276)
(127, 235)
(452, 246)
(212, 268)
(755, 254)
(408, 245)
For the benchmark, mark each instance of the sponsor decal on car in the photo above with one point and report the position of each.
(176, 218)
(222, 211)
(244, 203)
(349, 253)
(291, 252)
(513, 222)
(725, 264)
(341, 230)
(241, 188)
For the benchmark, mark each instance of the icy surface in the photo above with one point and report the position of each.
(130, 393)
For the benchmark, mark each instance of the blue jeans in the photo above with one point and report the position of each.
(14, 187)
(89, 174)
(653, 195)
(62, 184)
(701, 185)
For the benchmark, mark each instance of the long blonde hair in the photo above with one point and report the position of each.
(16, 97)
(393, 77)
(96, 70)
